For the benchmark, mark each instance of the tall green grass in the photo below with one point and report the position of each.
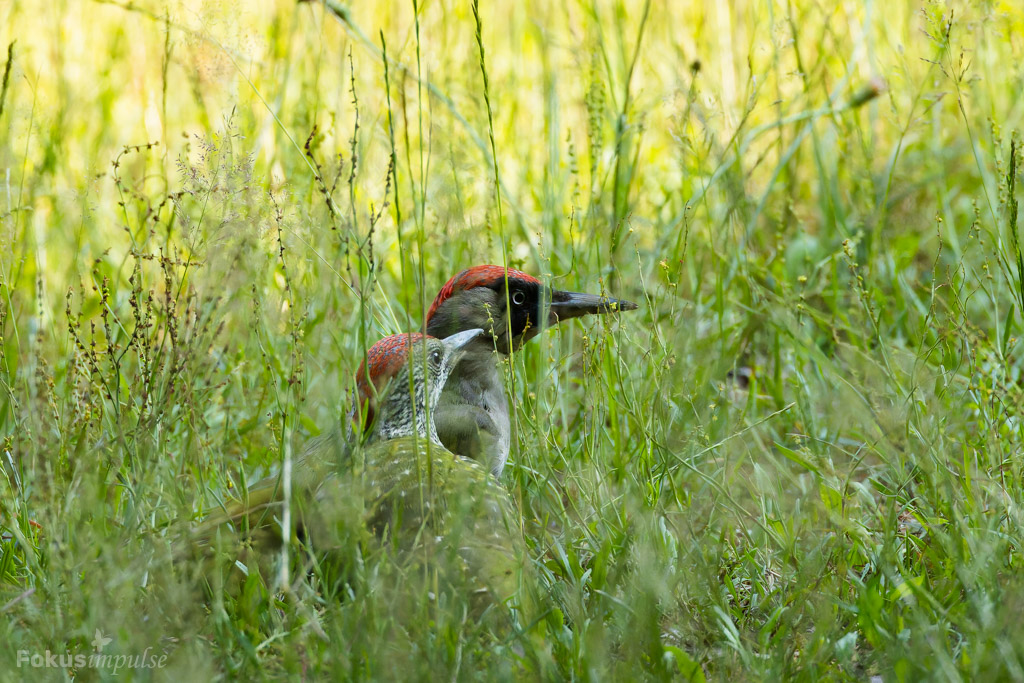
(799, 459)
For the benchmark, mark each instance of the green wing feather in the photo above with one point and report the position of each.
(438, 498)
(416, 497)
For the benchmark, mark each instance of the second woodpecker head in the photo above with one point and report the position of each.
(383, 383)
(477, 298)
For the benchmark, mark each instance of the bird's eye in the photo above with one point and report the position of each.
(518, 298)
(435, 356)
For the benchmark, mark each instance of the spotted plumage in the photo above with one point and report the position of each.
(389, 361)
(401, 479)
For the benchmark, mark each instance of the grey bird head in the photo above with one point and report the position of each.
(477, 297)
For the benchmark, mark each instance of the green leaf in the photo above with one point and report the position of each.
(688, 668)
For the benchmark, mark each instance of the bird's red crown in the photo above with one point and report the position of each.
(385, 358)
(475, 277)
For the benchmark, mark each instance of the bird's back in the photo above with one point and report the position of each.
(415, 495)
(422, 495)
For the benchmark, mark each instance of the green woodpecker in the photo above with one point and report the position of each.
(472, 417)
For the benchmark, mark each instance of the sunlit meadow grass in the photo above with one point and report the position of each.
(801, 458)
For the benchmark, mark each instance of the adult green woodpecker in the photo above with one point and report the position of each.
(472, 417)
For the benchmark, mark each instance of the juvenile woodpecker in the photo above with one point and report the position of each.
(406, 479)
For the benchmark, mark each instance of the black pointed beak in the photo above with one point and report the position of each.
(565, 305)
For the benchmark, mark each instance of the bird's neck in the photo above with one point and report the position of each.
(425, 427)
(401, 420)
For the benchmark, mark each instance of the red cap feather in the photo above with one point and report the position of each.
(385, 357)
(475, 277)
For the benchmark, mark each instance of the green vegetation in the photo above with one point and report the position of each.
(800, 459)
